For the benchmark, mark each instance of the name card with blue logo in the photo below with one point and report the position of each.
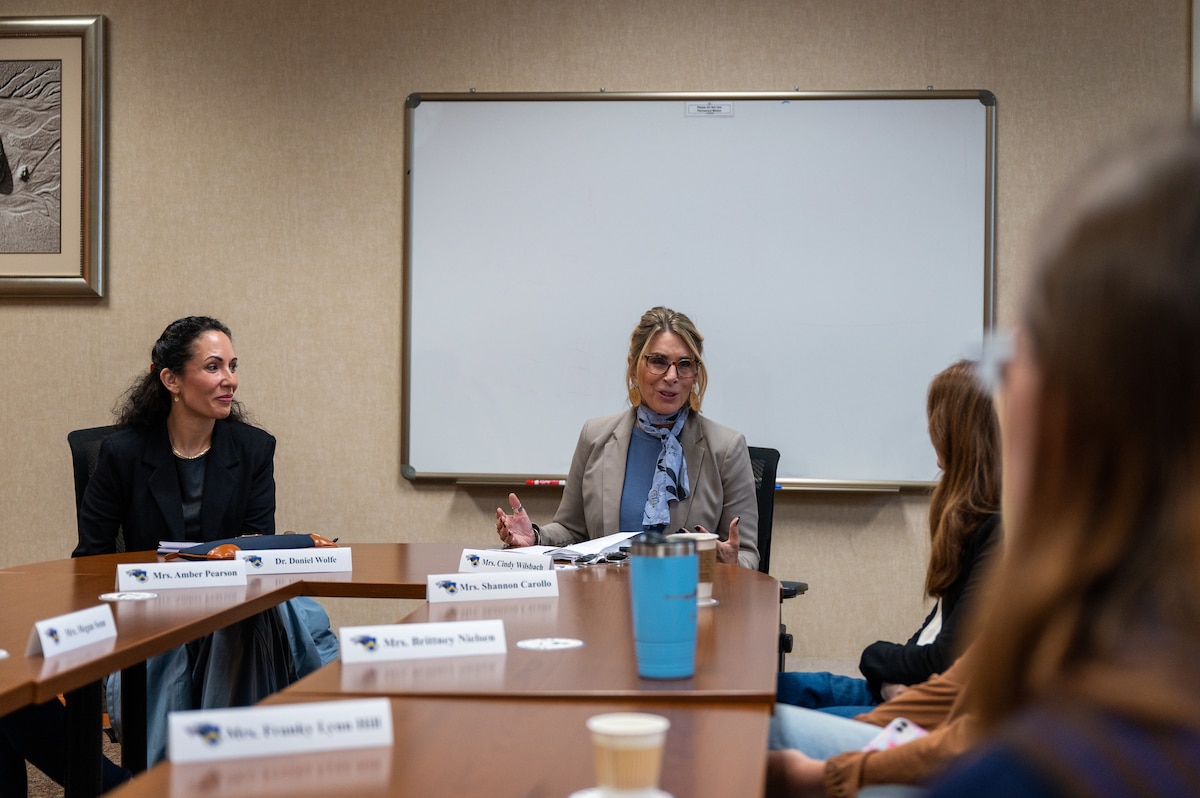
(479, 587)
(421, 640)
(294, 561)
(489, 560)
(71, 631)
(209, 573)
(205, 735)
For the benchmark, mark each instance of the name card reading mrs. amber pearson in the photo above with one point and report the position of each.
(421, 640)
(478, 587)
(213, 573)
(296, 561)
(71, 631)
(204, 735)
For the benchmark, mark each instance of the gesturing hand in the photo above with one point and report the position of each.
(727, 550)
(515, 529)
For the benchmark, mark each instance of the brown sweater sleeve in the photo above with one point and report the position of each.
(938, 706)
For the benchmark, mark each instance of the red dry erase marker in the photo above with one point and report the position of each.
(547, 482)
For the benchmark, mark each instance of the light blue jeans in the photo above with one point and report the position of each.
(821, 735)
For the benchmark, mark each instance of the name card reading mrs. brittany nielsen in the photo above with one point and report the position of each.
(71, 631)
(212, 573)
(421, 640)
(295, 561)
(488, 560)
(478, 587)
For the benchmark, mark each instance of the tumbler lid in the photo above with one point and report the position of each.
(656, 544)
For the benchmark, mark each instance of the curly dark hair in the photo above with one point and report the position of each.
(147, 402)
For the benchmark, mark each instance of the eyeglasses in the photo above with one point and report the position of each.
(658, 365)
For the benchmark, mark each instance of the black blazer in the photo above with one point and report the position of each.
(135, 488)
(910, 663)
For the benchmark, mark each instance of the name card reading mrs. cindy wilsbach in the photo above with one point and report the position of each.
(421, 640)
(479, 587)
(71, 631)
(294, 561)
(212, 734)
(488, 560)
(151, 575)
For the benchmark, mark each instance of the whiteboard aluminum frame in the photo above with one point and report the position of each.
(985, 97)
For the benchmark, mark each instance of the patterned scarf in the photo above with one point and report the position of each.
(670, 483)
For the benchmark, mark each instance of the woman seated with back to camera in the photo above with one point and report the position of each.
(964, 527)
(658, 466)
(185, 465)
(1086, 670)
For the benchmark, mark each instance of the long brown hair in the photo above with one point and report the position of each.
(1098, 597)
(965, 435)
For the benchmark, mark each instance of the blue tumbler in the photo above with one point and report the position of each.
(662, 582)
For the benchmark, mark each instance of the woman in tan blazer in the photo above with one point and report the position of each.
(659, 465)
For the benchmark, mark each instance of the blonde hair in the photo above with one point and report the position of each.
(658, 320)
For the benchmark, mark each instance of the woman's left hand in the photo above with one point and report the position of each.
(727, 550)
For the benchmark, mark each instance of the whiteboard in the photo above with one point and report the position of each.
(835, 250)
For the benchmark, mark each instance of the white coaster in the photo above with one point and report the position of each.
(549, 643)
(128, 596)
(708, 602)
(596, 792)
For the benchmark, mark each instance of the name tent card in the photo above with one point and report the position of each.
(209, 573)
(478, 587)
(71, 631)
(293, 561)
(206, 735)
(421, 640)
(489, 560)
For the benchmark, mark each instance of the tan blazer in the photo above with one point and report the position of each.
(719, 473)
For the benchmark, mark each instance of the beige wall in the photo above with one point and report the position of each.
(254, 173)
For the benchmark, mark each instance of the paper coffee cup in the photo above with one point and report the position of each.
(628, 749)
(706, 549)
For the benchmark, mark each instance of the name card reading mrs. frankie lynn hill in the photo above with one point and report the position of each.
(214, 734)
(295, 561)
(488, 560)
(71, 631)
(421, 640)
(150, 575)
(479, 587)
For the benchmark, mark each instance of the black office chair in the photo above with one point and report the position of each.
(765, 463)
(85, 451)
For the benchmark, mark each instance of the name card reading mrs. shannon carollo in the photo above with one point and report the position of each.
(479, 587)
(209, 573)
(74, 630)
(489, 560)
(295, 561)
(421, 640)
(212, 734)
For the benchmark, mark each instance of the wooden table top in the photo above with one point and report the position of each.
(494, 748)
(736, 646)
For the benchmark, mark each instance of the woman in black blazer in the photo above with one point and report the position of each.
(186, 465)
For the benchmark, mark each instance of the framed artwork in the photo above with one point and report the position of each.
(52, 156)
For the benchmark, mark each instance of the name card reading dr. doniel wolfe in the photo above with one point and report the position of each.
(488, 560)
(479, 587)
(71, 631)
(215, 573)
(421, 640)
(213, 734)
(295, 561)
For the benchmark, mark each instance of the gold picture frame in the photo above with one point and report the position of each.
(52, 156)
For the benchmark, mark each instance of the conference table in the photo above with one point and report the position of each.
(541, 691)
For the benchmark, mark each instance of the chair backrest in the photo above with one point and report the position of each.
(85, 451)
(765, 463)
